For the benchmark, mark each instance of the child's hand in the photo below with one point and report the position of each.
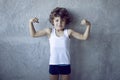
(85, 22)
(34, 20)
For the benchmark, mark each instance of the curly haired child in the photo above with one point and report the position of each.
(59, 40)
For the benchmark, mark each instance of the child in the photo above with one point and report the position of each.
(59, 39)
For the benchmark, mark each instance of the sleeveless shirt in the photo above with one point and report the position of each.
(59, 48)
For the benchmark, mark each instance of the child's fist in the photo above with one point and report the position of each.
(34, 20)
(85, 22)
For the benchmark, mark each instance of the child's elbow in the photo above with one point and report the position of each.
(33, 36)
(85, 38)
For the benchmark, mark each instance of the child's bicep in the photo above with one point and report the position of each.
(43, 32)
(76, 35)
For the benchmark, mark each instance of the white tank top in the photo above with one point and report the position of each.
(59, 48)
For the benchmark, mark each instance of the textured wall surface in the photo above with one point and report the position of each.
(25, 58)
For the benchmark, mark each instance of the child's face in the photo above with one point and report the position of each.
(59, 24)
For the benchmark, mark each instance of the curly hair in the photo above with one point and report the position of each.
(60, 12)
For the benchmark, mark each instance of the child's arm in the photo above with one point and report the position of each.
(81, 36)
(39, 33)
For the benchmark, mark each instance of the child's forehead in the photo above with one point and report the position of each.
(58, 17)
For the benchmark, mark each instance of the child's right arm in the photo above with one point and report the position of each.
(39, 33)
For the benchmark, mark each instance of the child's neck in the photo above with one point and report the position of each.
(59, 30)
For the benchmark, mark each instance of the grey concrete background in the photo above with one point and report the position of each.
(25, 58)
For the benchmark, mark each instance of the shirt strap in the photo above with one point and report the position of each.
(66, 32)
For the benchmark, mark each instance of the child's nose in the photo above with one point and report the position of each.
(60, 22)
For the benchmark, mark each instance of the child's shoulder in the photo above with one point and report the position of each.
(69, 31)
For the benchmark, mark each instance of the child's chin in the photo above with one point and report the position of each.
(60, 29)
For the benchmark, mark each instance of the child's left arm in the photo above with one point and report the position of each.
(78, 35)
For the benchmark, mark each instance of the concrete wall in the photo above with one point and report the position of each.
(25, 58)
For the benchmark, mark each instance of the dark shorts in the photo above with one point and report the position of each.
(59, 69)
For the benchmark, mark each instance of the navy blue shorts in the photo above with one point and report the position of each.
(59, 69)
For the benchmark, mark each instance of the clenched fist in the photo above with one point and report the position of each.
(85, 22)
(34, 20)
